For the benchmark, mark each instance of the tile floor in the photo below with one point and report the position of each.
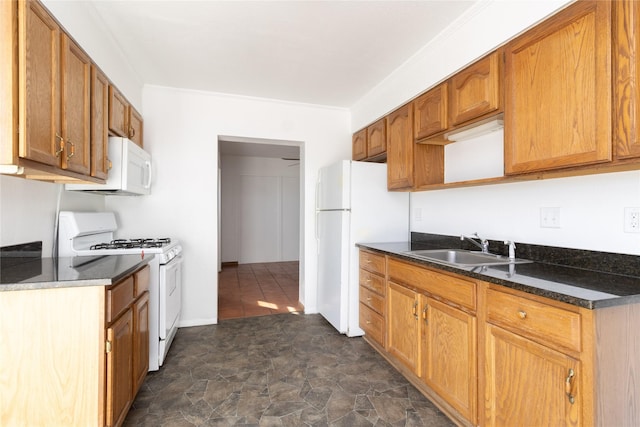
(247, 290)
(277, 370)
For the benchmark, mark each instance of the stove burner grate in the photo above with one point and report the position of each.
(132, 244)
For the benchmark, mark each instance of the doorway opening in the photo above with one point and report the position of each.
(260, 198)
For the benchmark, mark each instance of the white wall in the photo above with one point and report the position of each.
(181, 133)
(251, 230)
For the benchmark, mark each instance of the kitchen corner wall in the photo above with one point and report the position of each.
(181, 133)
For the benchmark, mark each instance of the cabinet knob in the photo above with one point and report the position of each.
(522, 314)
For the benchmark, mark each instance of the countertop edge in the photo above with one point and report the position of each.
(569, 299)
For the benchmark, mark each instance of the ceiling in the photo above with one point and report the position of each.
(318, 52)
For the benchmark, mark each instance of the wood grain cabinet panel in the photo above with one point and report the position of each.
(529, 384)
(100, 163)
(41, 139)
(118, 113)
(400, 148)
(119, 369)
(135, 126)
(475, 91)
(374, 263)
(377, 138)
(76, 107)
(626, 79)
(359, 145)
(140, 340)
(431, 112)
(449, 355)
(558, 91)
(403, 326)
(373, 324)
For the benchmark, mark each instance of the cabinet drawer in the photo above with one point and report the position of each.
(141, 281)
(544, 323)
(451, 288)
(372, 324)
(119, 297)
(371, 299)
(372, 281)
(372, 262)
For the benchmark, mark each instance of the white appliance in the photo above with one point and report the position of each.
(352, 205)
(130, 173)
(84, 234)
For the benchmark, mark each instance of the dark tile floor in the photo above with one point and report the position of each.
(277, 370)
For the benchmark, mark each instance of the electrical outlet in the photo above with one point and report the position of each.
(632, 220)
(550, 218)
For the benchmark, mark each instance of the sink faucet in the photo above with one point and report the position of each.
(512, 248)
(483, 245)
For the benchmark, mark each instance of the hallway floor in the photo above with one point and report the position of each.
(248, 290)
(279, 370)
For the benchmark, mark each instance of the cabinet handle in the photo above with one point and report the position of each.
(73, 150)
(61, 145)
(109, 165)
(522, 314)
(568, 386)
(132, 131)
(424, 314)
(368, 299)
(415, 310)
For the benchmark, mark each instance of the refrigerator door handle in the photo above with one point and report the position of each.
(318, 192)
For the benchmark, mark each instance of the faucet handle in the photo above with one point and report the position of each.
(512, 248)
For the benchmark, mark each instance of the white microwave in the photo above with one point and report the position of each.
(130, 173)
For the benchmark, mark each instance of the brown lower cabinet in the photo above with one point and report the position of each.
(489, 355)
(69, 354)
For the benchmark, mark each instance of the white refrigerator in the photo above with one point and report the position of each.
(352, 205)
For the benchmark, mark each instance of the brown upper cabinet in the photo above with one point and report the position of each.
(400, 148)
(124, 120)
(50, 81)
(370, 143)
(475, 92)
(626, 79)
(100, 163)
(431, 113)
(558, 91)
(359, 145)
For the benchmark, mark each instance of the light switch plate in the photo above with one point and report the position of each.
(550, 217)
(632, 220)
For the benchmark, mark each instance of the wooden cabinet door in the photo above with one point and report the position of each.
(140, 341)
(359, 145)
(118, 113)
(626, 78)
(431, 112)
(119, 369)
(449, 355)
(400, 148)
(475, 91)
(100, 163)
(135, 126)
(558, 91)
(528, 384)
(403, 326)
(76, 107)
(377, 138)
(39, 75)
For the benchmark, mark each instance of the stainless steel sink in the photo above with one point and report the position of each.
(464, 258)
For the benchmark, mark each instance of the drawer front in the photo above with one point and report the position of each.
(119, 297)
(373, 282)
(450, 288)
(372, 262)
(372, 324)
(141, 281)
(544, 323)
(373, 300)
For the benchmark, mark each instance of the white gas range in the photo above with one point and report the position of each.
(83, 234)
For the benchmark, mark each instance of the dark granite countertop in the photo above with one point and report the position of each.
(43, 273)
(582, 286)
